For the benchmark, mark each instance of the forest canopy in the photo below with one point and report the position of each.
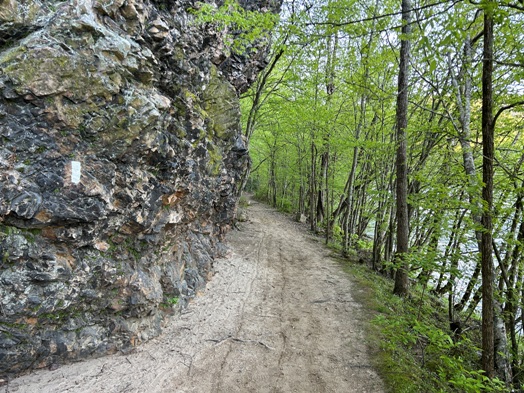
(364, 104)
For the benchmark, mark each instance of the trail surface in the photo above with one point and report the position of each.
(277, 317)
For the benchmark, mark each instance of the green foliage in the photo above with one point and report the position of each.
(286, 205)
(467, 380)
(338, 233)
(332, 96)
(169, 302)
(241, 27)
(363, 244)
(172, 300)
(415, 351)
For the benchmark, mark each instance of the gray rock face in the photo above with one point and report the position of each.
(120, 159)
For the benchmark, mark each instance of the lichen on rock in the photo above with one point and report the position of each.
(120, 160)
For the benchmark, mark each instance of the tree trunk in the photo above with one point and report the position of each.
(322, 191)
(488, 331)
(327, 204)
(301, 190)
(349, 199)
(253, 114)
(401, 277)
(313, 189)
(512, 302)
(272, 182)
(470, 289)
(451, 253)
(388, 249)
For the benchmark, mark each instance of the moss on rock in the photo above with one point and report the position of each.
(221, 104)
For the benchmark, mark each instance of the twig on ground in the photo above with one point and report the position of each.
(238, 340)
(152, 357)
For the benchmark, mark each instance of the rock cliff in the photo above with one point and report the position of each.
(120, 158)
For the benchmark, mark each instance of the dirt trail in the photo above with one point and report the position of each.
(277, 317)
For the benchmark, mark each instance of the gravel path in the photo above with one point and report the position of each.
(278, 316)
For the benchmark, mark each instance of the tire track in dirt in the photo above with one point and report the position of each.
(259, 246)
(278, 317)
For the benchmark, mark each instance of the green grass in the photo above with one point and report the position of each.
(396, 366)
(410, 343)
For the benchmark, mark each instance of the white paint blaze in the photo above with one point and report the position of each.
(76, 171)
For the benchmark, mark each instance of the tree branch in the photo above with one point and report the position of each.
(509, 64)
(505, 108)
(258, 166)
(514, 6)
(352, 22)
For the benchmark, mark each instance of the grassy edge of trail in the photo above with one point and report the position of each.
(410, 340)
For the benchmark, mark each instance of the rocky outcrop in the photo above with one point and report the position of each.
(120, 159)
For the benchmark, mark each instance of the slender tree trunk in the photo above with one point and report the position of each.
(327, 204)
(257, 99)
(470, 289)
(500, 338)
(301, 190)
(313, 189)
(253, 114)
(272, 181)
(494, 340)
(378, 237)
(464, 106)
(349, 199)
(332, 48)
(488, 346)
(515, 279)
(451, 254)
(401, 277)
(380, 225)
(322, 192)
(390, 240)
